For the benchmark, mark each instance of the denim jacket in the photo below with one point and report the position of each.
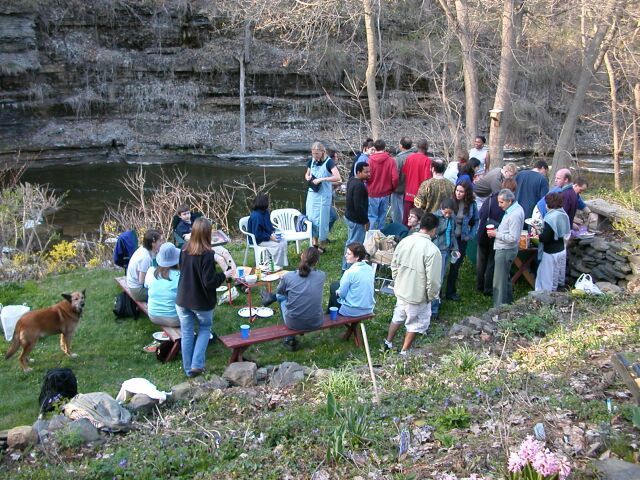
(440, 239)
(470, 222)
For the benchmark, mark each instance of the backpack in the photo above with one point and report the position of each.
(58, 384)
(126, 244)
(124, 307)
(163, 350)
(301, 226)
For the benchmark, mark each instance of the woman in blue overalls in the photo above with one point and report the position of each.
(321, 173)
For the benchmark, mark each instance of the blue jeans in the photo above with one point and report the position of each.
(282, 300)
(397, 207)
(193, 351)
(355, 233)
(377, 212)
(333, 216)
(435, 304)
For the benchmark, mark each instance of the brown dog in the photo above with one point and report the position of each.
(63, 317)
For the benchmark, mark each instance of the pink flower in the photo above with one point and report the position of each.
(516, 462)
(530, 448)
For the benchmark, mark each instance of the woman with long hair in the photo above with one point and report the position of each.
(260, 225)
(321, 173)
(468, 172)
(162, 282)
(197, 294)
(466, 220)
(300, 295)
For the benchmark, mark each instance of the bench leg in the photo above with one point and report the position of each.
(174, 351)
(236, 355)
(352, 329)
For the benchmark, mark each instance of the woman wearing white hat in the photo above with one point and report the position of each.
(162, 283)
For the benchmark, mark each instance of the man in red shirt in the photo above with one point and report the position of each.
(416, 170)
(382, 182)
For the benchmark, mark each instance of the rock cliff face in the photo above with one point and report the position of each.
(101, 76)
(83, 78)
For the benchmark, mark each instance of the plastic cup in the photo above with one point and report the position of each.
(240, 271)
(455, 256)
(333, 313)
(490, 227)
(244, 331)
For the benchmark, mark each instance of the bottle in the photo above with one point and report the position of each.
(271, 266)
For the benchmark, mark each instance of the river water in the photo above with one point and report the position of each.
(93, 186)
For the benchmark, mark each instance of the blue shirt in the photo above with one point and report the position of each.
(162, 293)
(355, 293)
(260, 225)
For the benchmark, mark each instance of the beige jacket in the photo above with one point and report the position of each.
(416, 268)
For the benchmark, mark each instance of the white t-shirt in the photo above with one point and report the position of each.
(140, 262)
(480, 155)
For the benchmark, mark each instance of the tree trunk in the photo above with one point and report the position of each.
(372, 93)
(590, 64)
(511, 24)
(636, 138)
(244, 59)
(460, 25)
(243, 127)
(471, 93)
(613, 93)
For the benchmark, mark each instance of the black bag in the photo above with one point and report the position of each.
(58, 384)
(313, 186)
(162, 352)
(124, 307)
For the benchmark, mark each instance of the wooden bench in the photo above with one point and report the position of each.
(276, 332)
(174, 333)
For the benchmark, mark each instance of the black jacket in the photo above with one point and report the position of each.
(198, 281)
(357, 201)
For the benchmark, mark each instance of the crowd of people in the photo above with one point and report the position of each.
(444, 212)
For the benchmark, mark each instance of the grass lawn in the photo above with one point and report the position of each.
(110, 352)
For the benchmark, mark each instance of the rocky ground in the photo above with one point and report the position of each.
(457, 405)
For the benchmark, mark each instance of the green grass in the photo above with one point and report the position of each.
(110, 352)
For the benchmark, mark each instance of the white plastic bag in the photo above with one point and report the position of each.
(585, 283)
(224, 297)
(9, 316)
(134, 386)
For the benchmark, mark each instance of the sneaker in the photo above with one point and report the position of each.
(386, 346)
(196, 372)
(152, 347)
(267, 298)
(291, 343)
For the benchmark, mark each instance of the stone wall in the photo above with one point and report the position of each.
(605, 260)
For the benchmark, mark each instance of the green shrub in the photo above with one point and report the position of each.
(341, 383)
(532, 325)
(462, 360)
(454, 417)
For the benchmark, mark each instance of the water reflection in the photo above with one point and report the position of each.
(93, 187)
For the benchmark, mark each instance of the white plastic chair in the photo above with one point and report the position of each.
(261, 253)
(284, 220)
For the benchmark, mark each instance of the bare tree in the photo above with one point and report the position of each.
(511, 27)
(461, 25)
(370, 75)
(595, 48)
(636, 137)
(613, 93)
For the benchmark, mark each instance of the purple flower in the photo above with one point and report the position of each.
(529, 448)
(515, 462)
(123, 463)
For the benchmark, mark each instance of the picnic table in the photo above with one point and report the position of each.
(523, 262)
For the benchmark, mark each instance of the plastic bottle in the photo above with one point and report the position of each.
(271, 266)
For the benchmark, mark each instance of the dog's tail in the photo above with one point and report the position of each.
(15, 343)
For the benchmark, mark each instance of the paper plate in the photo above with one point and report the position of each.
(271, 278)
(160, 336)
(222, 288)
(264, 312)
(244, 312)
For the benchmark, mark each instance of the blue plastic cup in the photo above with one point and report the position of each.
(244, 331)
(240, 271)
(333, 313)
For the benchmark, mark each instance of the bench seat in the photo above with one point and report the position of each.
(238, 344)
(174, 333)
